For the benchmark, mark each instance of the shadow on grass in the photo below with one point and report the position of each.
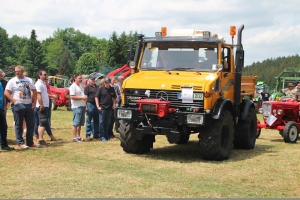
(187, 153)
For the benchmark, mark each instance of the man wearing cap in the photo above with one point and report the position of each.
(91, 110)
(211, 58)
(21, 91)
(289, 90)
(3, 107)
(106, 101)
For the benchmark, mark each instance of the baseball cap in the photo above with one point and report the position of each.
(107, 80)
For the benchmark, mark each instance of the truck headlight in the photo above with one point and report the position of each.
(124, 114)
(194, 119)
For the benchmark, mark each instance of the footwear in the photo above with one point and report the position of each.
(43, 143)
(103, 139)
(96, 136)
(81, 139)
(7, 148)
(23, 146)
(35, 146)
(76, 140)
(88, 139)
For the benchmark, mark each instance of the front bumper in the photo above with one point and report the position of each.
(178, 117)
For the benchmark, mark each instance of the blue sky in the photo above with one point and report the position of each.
(272, 27)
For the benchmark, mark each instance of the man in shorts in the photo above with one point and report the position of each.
(78, 102)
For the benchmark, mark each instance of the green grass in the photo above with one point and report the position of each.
(102, 170)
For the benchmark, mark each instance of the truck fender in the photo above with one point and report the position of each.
(245, 106)
(220, 106)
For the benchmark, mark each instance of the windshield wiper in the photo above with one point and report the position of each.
(182, 68)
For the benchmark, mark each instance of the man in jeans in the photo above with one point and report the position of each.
(91, 110)
(106, 101)
(18, 91)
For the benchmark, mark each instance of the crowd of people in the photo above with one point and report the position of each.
(92, 105)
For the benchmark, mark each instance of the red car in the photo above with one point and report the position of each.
(283, 116)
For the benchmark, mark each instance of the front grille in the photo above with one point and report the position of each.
(266, 109)
(131, 95)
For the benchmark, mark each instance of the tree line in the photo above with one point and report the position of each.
(67, 51)
(268, 69)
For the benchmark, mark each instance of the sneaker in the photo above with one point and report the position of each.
(43, 143)
(81, 139)
(8, 148)
(23, 146)
(76, 140)
(88, 139)
(35, 146)
(103, 139)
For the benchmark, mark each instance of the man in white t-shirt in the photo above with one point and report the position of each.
(18, 91)
(78, 103)
(42, 105)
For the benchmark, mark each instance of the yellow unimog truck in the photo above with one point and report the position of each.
(186, 83)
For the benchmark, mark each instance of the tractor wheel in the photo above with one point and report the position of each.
(184, 135)
(246, 131)
(215, 140)
(54, 106)
(129, 143)
(291, 132)
(184, 138)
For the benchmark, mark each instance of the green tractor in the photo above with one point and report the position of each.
(260, 86)
(288, 75)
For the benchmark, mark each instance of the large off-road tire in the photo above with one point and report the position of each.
(291, 132)
(54, 106)
(216, 140)
(129, 143)
(184, 138)
(246, 131)
(184, 135)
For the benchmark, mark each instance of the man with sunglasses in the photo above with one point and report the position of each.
(42, 106)
(18, 91)
(289, 90)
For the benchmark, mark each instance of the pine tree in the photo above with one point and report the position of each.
(34, 55)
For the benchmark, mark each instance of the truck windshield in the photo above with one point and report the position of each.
(182, 56)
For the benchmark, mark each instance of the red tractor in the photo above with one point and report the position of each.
(63, 98)
(283, 116)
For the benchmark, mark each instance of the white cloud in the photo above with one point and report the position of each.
(271, 27)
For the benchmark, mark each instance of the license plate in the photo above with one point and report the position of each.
(196, 96)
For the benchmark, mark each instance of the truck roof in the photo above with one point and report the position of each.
(183, 39)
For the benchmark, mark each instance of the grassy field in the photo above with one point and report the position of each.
(102, 170)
